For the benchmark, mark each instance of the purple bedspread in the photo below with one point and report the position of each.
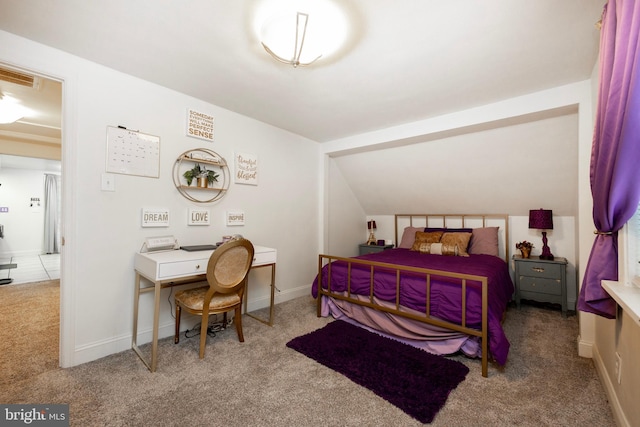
(445, 296)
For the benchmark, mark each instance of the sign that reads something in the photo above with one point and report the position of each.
(153, 217)
(199, 125)
(199, 217)
(235, 218)
(246, 169)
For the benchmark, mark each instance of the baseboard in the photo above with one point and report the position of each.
(607, 383)
(99, 349)
(30, 252)
(585, 348)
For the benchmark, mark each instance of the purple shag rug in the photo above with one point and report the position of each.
(415, 381)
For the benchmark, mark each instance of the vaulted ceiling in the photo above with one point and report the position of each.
(404, 60)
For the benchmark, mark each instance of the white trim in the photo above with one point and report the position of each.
(627, 297)
(607, 383)
(585, 348)
(68, 258)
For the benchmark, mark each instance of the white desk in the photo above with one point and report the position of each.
(178, 267)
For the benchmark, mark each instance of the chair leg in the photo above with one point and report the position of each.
(204, 325)
(176, 337)
(237, 319)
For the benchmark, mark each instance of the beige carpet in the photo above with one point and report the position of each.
(263, 383)
(29, 332)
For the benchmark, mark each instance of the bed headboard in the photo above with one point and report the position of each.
(458, 221)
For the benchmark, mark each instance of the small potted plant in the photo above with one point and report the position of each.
(203, 176)
(525, 248)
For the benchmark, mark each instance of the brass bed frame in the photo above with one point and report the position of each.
(427, 220)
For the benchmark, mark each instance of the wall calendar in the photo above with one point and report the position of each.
(132, 153)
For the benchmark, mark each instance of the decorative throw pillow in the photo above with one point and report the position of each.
(409, 236)
(423, 237)
(430, 248)
(438, 249)
(459, 241)
(484, 241)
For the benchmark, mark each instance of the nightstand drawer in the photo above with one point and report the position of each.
(540, 285)
(542, 270)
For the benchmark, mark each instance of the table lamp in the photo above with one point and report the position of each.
(371, 226)
(542, 219)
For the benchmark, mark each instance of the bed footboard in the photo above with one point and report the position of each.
(464, 281)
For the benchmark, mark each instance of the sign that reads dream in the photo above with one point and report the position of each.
(199, 125)
(155, 217)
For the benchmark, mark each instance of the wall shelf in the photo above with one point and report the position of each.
(212, 161)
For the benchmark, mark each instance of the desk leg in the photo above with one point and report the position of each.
(156, 322)
(156, 318)
(273, 289)
(136, 302)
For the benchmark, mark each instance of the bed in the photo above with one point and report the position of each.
(444, 288)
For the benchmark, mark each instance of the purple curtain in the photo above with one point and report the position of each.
(615, 155)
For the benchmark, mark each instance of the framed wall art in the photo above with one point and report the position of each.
(246, 171)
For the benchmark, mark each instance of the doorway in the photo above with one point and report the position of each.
(30, 149)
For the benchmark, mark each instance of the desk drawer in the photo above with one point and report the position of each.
(182, 268)
(261, 258)
(540, 285)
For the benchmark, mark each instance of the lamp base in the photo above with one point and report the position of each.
(546, 252)
(372, 239)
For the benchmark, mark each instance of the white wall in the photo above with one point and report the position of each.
(24, 221)
(102, 229)
(509, 157)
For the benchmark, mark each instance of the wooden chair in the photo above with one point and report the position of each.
(227, 273)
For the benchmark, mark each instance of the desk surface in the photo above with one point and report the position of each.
(178, 263)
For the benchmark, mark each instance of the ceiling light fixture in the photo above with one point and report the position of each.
(10, 110)
(301, 23)
(300, 32)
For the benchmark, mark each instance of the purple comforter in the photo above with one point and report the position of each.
(445, 292)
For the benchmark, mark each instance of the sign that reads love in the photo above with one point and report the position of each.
(199, 217)
(199, 125)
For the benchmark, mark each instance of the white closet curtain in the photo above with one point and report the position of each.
(51, 214)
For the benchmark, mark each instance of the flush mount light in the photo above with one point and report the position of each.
(299, 33)
(11, 110)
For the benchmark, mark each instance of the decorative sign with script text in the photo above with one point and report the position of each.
(246, 169)
(199, 125)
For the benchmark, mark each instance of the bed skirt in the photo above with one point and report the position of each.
(430, 338)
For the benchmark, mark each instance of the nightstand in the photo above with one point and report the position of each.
(541, 280)
(370, 249)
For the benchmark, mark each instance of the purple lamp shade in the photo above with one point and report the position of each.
(542, 219)
(371, 225)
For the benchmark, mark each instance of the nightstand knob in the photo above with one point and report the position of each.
(197, 266)
(538, 269)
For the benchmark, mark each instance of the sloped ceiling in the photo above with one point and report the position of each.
(404, 61)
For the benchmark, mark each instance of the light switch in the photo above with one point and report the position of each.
(108, 182)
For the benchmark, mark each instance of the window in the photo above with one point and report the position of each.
(626, 290)
(633, 249)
